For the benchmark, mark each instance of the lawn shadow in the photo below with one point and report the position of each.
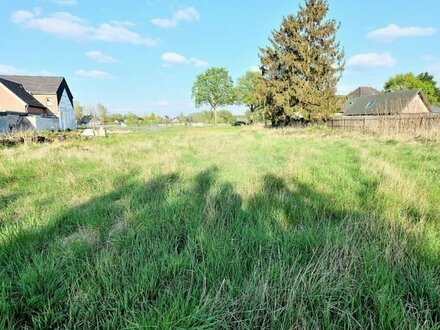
(191, 252)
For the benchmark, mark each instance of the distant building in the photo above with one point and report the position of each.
(53, 93)
(89, 120)
(363, 91)
(85, 120)
(395, 103)
(435, 110)
(94, 122)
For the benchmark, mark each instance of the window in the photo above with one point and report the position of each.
(48, 101)
(370, 104)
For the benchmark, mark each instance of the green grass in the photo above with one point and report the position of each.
(221, 228)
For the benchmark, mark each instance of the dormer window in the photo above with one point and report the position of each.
(48, 101)
(370, 104)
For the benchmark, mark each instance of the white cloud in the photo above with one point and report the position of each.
(66, 25)
(164, 23)
(20, 16)
(112, 33)
(10, 70)
(371, 61)
(100, 57)
(93, 74)
(393, 31)
(175, 58)
(188, 14)
(65, 2)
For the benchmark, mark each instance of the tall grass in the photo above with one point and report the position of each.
(221, 228)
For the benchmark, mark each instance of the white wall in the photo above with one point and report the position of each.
(67, 114)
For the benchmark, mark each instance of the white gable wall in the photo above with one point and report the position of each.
(66, 113)
(416, 106)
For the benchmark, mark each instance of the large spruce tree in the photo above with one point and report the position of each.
(302, 66)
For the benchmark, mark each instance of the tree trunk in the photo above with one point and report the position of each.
(215, 116)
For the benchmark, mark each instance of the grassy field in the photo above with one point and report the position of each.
(221, 228)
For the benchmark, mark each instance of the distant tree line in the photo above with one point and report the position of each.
(98, 110)
(101, 112)
(131, 119)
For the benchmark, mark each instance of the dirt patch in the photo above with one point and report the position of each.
(11, 140)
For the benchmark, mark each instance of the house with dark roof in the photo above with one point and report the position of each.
(52, 93)
(395, 103)
(94, 121)
(19, 110)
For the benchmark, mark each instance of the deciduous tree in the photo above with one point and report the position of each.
(247, 92)
(408, 81)
(215, 88)
(79, 110)
(102, 112)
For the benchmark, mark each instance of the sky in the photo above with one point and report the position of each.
(144, 55)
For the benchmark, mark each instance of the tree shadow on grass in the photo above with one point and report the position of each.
(179, 253)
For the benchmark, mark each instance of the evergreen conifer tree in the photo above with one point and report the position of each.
(302, 66)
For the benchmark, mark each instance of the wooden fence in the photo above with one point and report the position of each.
(402, 123)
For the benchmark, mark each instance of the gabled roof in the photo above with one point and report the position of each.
(363, 91)
(94, 121)
(382, 104)
(21, 93)
(41, 85)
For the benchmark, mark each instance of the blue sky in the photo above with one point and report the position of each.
(143, 55)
